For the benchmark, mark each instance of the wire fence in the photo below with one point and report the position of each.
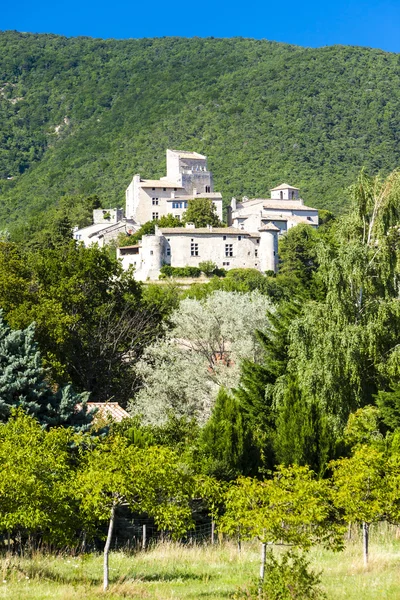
(142, 533)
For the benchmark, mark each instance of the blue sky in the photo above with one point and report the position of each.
(374, 23)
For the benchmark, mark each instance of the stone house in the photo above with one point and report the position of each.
(284, 209)
(187, 177)
(227, 247)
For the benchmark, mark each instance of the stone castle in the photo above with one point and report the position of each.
(249, 241)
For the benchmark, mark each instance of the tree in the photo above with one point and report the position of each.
(152, 480)
(226, 440)
(291, 508)
(23, 384)
(361, 488)
(201, 212)
(298, 254)
(91, 321)
(36, 481)
(388, 403)
(202, 351)
(344, 348)
(302, 436)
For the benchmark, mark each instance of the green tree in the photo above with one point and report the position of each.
(37, 481)
(298, 254)
(361, 489)
(345, 347)
(226, 440)
(302, 436)
(389, 407)
(201, 212)
(89, 314)
(291, 508)
(152, 480)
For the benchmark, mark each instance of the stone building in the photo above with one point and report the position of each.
(227, 247)
(107, 225)
(284, 209)
(249, 241)
(187, 177)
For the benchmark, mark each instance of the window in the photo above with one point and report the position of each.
(228, 249)
(225, 264)
(224, 237)
(168, 251)
(155, 201)
(177, 217)
(155, 216)
(185, 204)
(175, 189)
(281, 195)
(208, 189)
(153, 189)
(256, 252)
(151, 252)
(239, 237)
(164, 189)
(177, 205)
(194, 249)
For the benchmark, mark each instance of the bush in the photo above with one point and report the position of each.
(208, 267)
(168, 271)
(289, 578)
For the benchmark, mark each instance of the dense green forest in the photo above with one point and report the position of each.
(80, 116)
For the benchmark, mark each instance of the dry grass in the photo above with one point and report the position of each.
(173, 571)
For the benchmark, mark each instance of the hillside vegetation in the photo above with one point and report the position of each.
(80, 116)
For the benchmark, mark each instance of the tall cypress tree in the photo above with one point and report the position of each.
(227, 441)
(302, 434)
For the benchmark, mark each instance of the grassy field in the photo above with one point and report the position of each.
(197, 573)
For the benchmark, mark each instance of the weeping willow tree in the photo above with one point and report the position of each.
(347, 346)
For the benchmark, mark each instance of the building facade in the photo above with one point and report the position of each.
(187, 177)
(227, 247)
(284, 209)
(249, 241)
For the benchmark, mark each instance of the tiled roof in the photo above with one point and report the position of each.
(109, 409)
(202, 230)
(269, 227)
(286, 205)
(284, 186)
(212, 195)
(159, 183)
(184, 154)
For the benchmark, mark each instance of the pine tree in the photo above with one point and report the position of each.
(23, 383)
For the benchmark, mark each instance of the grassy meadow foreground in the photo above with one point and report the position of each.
(197, 572)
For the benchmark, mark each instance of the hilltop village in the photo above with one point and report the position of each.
(250, 239)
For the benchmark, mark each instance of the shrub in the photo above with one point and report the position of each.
(208, 267)
(168, 271)
(289, 578)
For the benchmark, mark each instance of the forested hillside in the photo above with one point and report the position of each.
(80, 116)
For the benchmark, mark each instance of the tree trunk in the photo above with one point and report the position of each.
(365, 542)
(262, 566)
(107, 546)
